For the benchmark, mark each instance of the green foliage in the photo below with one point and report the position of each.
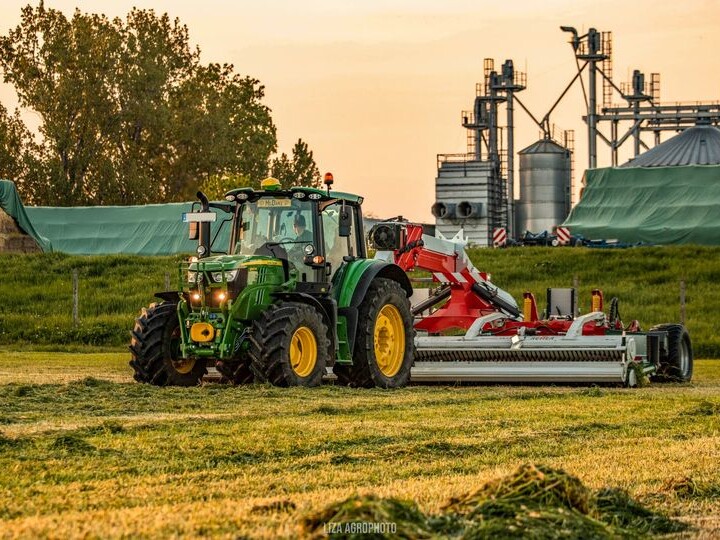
(38, 294)
(216, 186)
(128, 113)
(17, 147)
(300, 171)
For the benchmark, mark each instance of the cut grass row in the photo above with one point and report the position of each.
(86, 452)
(36, 290)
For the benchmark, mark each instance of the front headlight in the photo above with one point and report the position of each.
(229, 276)
(194, 277)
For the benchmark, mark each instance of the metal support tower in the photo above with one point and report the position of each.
(510, 82)
(642, 110)
(486, 143)
(590, 49)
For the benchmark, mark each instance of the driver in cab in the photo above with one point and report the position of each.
(301, 232)
(302, 237)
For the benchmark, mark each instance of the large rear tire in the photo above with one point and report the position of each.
(289, 345)
(384, 342)
(677, 364)
(155, 347)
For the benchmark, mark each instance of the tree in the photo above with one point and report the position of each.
(300, 171)
(16, 143)
(216, 186)
(129, 114)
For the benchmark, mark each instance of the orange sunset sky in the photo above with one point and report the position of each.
(376, 87)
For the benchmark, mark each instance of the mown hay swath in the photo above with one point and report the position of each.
(534, 501)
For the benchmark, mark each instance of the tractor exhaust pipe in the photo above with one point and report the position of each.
(204, 229)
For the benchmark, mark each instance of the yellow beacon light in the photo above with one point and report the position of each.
(270, 184)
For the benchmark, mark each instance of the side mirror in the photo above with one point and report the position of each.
(345, 223)
(193, 230)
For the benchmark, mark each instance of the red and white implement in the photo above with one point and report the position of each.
(470, 330)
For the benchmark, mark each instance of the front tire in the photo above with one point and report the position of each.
(236, 371)
(384, 343)
(155, 348)
(677, 364)
(289, 346)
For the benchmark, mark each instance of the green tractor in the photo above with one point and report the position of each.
(293, 297)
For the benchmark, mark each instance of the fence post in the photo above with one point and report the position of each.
(76, 299)
(682, 301)
(167, 281)
(576, 286)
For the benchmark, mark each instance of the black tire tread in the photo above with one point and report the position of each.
(273, 329)
(146, 345)
(360, 374)
(669, 368)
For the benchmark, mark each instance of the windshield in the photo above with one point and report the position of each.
(275, 220)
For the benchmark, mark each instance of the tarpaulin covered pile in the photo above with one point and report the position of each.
(11, 204)
(658, 205)
(152, 229)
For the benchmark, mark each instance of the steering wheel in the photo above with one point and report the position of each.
(272, 250)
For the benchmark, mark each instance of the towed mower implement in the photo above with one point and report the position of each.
(502, 344)
(294, 299)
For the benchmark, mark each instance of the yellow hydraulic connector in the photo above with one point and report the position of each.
(270, 184)
(529, 307)
(597, 300)
(202, 332)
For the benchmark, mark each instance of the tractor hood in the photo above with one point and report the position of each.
(232, 262)
(222, 269)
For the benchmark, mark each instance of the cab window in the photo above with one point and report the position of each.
(336, 246)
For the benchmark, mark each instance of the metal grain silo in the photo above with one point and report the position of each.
(545, 170)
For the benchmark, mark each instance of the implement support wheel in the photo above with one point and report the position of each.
(677, 364)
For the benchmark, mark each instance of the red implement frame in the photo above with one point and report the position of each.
(469, 298)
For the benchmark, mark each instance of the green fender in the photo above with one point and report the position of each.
(350, 285)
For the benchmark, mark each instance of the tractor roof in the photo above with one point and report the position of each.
(253, 194)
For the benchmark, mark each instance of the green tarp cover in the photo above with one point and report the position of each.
(153, 229)
(658, 205)
(12, 205)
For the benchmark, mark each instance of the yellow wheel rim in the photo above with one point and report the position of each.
(183, 366)
(389, 340)
(303, 351)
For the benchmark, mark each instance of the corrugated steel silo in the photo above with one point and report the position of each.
(545, 172)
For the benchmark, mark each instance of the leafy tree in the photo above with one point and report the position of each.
(216, 186)
(129, 114)
(300, 171)
(16, 141)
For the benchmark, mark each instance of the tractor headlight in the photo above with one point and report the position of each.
(194, 276)
(229, 276)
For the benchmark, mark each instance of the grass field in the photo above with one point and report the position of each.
(37, 290)
(86, 452)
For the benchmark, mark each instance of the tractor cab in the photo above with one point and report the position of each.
(311, 231)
